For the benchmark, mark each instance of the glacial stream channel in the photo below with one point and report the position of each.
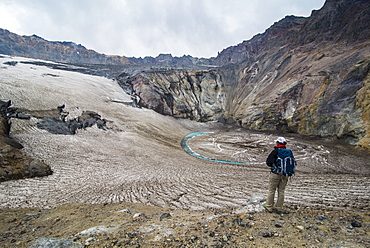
(184, 145)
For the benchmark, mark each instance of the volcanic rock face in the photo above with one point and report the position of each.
(196, 95)
(303, 75)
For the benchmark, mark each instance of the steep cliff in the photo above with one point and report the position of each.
(303, 75)
(193, 94)
(310, 77)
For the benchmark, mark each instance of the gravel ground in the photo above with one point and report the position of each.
(137, 225)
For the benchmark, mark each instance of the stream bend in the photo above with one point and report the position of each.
(184, 145)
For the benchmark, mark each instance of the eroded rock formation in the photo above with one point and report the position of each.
(196, 95)
(58, 124)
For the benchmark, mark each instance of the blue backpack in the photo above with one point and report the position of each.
(285, 163)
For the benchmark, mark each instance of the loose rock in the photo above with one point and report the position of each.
(55, 243)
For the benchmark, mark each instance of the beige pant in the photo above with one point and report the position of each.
(276, 182)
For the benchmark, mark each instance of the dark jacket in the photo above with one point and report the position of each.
(271, 159)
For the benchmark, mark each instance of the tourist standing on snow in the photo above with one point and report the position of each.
(282, 163)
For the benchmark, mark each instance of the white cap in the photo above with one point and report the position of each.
(281, 140)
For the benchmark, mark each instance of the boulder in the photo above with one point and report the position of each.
(55, 243)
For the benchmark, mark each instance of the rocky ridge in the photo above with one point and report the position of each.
(36, 47)
(69, 52)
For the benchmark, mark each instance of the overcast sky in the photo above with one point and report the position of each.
(139, 28)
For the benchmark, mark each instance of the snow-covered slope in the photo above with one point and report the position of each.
(138, 158)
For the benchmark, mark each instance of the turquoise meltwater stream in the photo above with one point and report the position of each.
(185, 146)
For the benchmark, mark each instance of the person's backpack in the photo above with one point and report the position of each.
(285, 163)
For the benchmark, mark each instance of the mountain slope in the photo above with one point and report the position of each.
(39, 48)
(337, 22)
(69, 52)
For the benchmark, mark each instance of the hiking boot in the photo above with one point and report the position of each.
(268, 210)
(280, 212)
